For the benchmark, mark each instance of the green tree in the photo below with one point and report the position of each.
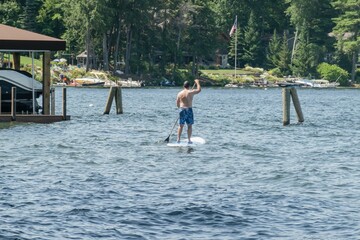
(30, 13)
(201, 34)
(333, 73)
(305, 58)
(9, 12)
(312, 21)
(284, 56)
(273, 51)
(347, 30)
(50, 18)
(252, 51)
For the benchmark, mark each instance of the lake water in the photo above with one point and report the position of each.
(112, 177)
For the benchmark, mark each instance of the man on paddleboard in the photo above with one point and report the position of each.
(184, 102)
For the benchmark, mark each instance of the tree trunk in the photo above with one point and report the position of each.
(353, 69)
(105, 53)
(87, 49)
(294, 46)
(128, 50)
(116, 53)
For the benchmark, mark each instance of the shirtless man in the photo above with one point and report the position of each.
(184, 102)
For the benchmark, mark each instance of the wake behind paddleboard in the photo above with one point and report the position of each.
(184, 143)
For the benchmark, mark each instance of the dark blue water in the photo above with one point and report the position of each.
(112, 177)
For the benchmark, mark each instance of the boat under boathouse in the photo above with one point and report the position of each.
(19, 89)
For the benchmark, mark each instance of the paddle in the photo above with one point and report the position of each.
(168, 138)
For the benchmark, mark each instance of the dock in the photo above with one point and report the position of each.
(17, 41)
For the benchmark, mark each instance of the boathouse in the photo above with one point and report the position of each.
(15, 41)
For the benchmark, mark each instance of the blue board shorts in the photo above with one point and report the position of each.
(186, 116)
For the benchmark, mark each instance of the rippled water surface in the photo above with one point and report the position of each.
(112, 177)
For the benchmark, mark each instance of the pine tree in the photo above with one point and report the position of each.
(30, 13)
(284, 56)
(252, 42)
(305, 61)
(273, 52)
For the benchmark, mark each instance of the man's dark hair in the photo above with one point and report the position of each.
(186, 84)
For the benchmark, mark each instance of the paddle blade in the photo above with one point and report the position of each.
(167, 139)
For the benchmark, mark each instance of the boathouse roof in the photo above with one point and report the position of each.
(12, 38)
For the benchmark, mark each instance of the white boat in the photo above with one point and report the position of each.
(94, 78)
(25, 86)
(317, 83)
(321, 83)
(129, 83)
(232, 85)
(305, 83)
(90, 80)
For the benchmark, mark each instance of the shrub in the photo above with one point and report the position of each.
(254, 70)
(276, 72)
(333, 73)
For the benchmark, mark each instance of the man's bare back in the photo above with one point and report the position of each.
(185, 97)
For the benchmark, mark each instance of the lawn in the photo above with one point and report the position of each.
(24, 60)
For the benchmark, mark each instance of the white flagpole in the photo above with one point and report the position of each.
(235, 42)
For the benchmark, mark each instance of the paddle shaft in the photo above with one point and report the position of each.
(168, 138)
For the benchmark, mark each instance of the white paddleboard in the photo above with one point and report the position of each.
(184, 142)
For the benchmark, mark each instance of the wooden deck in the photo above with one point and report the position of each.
(33, 118)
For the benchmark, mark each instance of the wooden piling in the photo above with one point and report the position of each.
(118, 101)
(64, 103)
(110, 100)
(286, 106)
(13, 103)
(297, 106)
(52, 97)
(114, 92)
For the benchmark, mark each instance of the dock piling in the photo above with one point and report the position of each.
(13, 103)
(52, 98)
(64, 103)
(286, 106)
(297, 106)
(286, 93)
(114, 92)
(118, 101)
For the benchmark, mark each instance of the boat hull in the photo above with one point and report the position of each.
(25, 87)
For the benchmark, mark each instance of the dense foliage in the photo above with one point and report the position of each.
(159, 37)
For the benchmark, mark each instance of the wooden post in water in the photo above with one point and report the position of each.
(297, 106)
(13, 103)
(64, 103)
(286, 92)
(114, 92)
(286, 106)
(118, 101)
(52, 97)
(110, 100)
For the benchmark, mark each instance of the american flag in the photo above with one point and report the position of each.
(233, 28)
